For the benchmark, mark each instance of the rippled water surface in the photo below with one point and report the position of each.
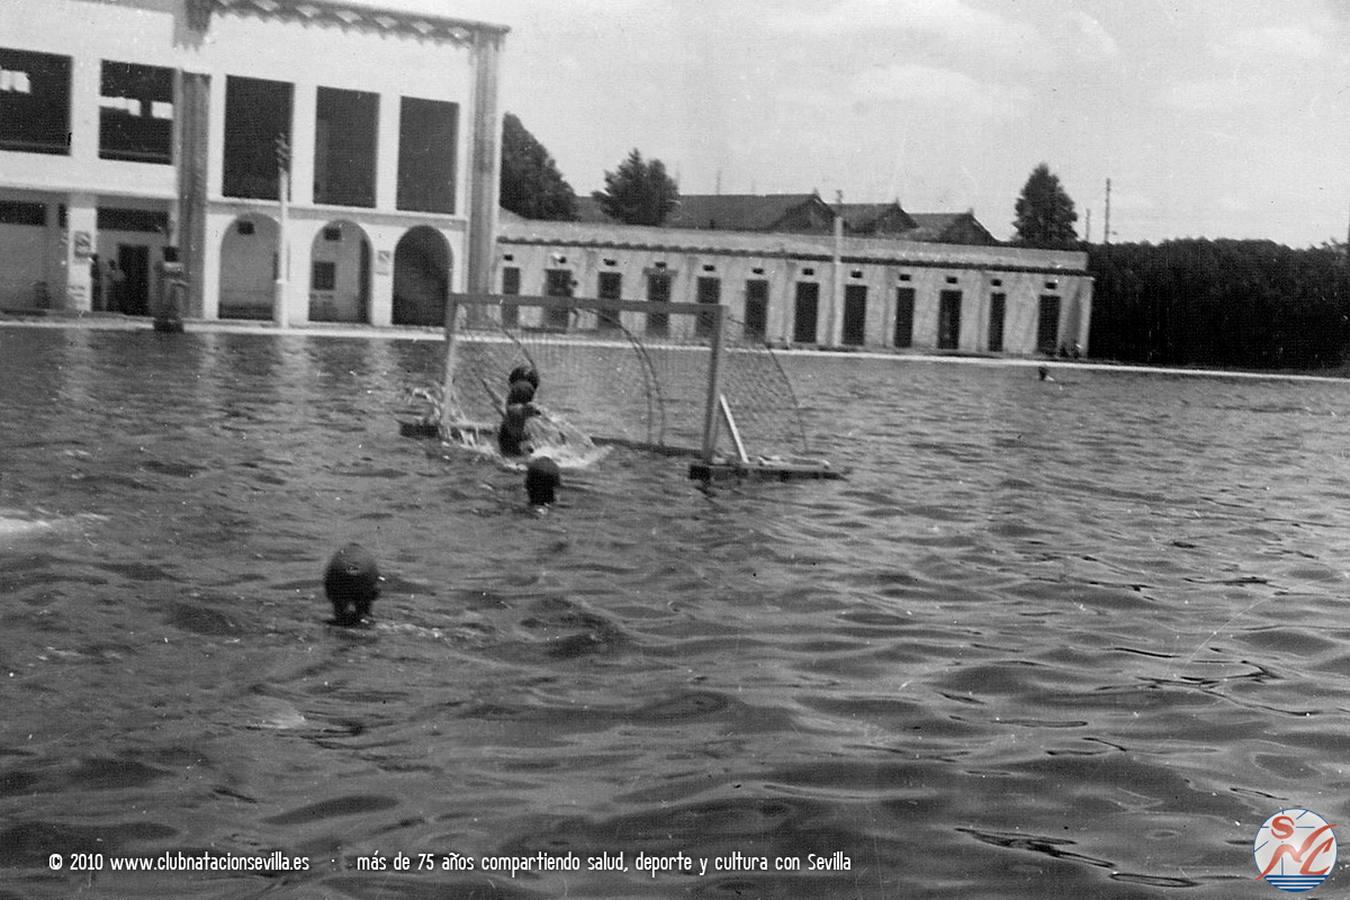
(1065, 639)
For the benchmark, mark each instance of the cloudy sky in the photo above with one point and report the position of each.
(1212, 118)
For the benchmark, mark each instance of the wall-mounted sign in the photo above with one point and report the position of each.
(383, 261)
(84, 245)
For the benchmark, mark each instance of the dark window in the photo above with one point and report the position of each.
(855, 315)
(756, 308)
(34, 102)
(13, 212)
(658, 291)
(609, 287)
(135, 116)
(149, 221)
(709, 291)
(997, 310)
(558, 283)
(510, 287)
(332, 233)
(323, 276)
(257, 112)
(344, 147)
(806, 312)
(426, 155)
(904, 316)
(244, 228)
(1047, 326)
(949, 320)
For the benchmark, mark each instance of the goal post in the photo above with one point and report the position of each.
(639, 373)
(674, 378)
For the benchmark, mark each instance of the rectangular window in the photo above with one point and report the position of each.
(344, 147)
(257, 112)
(510, 287)
(756, 309)
(904, 317)
(658, 291)
(146, 220)
(13, 212)
(709, 290)
(997, 310)
(609, 287)
(323, 276)
(426, 155)
(34, 102)
(558, 283)
(1047, 325)
(806, 312)
(135, 116)
(949, 320)
(855, 315)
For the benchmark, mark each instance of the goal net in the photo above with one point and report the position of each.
(644, 374)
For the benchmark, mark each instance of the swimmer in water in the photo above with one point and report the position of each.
(524, 373)
(542, 480)
(352, 582)
(520, 408)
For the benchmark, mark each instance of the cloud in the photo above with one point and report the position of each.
(1207, 96)
(1087, 37)
(943, 88)
(953, 21)
(1294, 42)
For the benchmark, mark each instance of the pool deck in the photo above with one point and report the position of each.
(119, 322)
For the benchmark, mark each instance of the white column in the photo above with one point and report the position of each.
(85, 89)
(81, 244)
(304, 108)
(386, 151)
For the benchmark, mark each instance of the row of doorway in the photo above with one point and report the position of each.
(853, 332)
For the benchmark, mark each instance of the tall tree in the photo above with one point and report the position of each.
(639, 192)
(1045, 214)
(531, 184)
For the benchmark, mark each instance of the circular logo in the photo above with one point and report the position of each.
(1295, 850)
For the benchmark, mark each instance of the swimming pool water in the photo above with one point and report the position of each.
(1075, 638)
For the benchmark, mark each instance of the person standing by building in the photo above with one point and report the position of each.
(116, 281)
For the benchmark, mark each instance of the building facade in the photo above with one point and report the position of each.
(302, 160)
(816, 290)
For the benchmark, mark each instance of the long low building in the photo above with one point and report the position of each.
(817, 290)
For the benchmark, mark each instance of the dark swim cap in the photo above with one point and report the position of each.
(521, 392)
(542, 480)
(524, 373)
(352, 582)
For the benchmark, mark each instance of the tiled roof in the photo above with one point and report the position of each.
(736, 212)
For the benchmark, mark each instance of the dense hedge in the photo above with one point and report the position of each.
(1248, 304)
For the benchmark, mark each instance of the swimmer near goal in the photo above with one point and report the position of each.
(679, 379)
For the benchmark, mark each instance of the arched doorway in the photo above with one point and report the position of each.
(421, 277)
(248, 268)
(339, 274)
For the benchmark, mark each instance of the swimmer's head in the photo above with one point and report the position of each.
(1044, 372)
(542, 480)
(352, 582)
(521, 392)
(524, 373)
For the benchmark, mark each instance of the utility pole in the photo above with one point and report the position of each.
(1106, 235)
(1087, 227)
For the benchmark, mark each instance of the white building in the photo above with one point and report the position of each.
(815, 290)
(135, 131)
